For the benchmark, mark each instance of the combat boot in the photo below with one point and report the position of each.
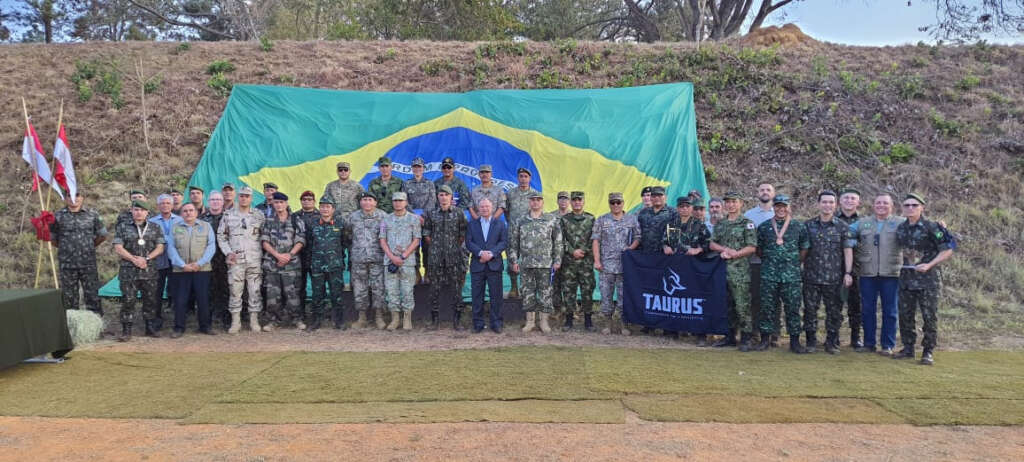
(588, 322)
(407, 321)
(513, 291)
(775, 340)
(254, 322)
(831, 341)
(544, 326)
(702, 340)
(728, 341)
(151, 330)
(236, 323)
(434, 322)
(744, 342)
(457, 321)
(926, 357)
(395, 319)
(855, 341)
(360, 320)
(568, 322)
(530, 317)
(794, 345)
(314, 323)
(906, 353)
(378, 318)
(126, 332)
(299, 325)
(624, 328)
(812, 342)
(766, 342)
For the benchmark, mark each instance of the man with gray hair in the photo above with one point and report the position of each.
(166, 220)
(715, 213)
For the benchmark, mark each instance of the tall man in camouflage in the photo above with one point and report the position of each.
(267, 206)
(535, 252)
(613, 233)
(491, 191)
(461, 196)
(925, 244)
(282, 236)
(385, 185)
(556, 285)
(849, 203)
(444, 230)
(578, 262)
(228, 191)
(759, 214)
(327, 264)
(76, 232)
(518, 201)
(310, 215)
(735, 238)
(400, 234)
(652, 222)
(422, 196)
(345, 193)
(126, 215)
(238, 236)
(367, 259)
(686, 234)
(219, 288)
(782, 244)
(138, 243)
(823, 273)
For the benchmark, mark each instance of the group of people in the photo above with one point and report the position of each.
(220, 254)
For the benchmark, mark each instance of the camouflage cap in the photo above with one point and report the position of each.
(344, 165)
(175, 191)
(732, 195)
(563, 194)
(445, 189)
(523, 170)
(485, 168)
(136, 191)
(448, 161)
(418, 162)
(657, 190)
(228, 185)
(576, 195)
(142, 205)
(683, 200)
(615, 196)
(327, 200)
(914, 196)
(195, 188)
(399, 196)
(780, 199)
(536, 195)
(384, 160)
(245, 191)
(306, 194)
(279, 196)
(269, 185)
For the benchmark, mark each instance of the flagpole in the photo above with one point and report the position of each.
(42, 206)
(53, 160)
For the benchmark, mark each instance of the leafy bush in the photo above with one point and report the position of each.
(266, 44)
(899, 153)
(968, 83)
(434, 67)
(220, 84)
(220, 66)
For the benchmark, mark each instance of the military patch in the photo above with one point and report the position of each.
(938, 234)
(750, 225)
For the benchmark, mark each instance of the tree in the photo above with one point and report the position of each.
(961, 21)
(45, 19)
(213, 19)
(116, 20)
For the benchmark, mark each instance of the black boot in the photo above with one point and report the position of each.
(126, 332)
(926, 357)
(766, 342)
(568, 322)
(588, 322)
(702, 340)
(812, 342)
(152, 330)
(338, 316)
(794, 345)
(832, 343)
(855, 341)
(727, 341)
(906, 353)
(745, 342)
(775, 341)
(314, 322)
(434, 322)
(457, 321)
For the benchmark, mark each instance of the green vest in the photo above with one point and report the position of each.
(884, 258)
(190, 246)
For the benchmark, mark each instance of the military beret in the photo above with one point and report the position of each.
(657, 190)
(279, 196)
(523, 170)
(849, 191)
(485, 168)
(245, 191)
(141, 205)
(195, 188)
(780, 199)
(383, 161)
(615, 196)
(269, 185)
(915, 196)
(448, 161)
(536, 195)
(563, 194)
(683, 200)
(732, 195)
(327, 200)
(366, 194)
(694, 194)
(445, 189)
(418, 161)
(344, 165)
(175, 191)
(136, 191)
(228, 185)
(698, 204)
(306, 194)
(399, 196)
(646, 190)
(576, 195)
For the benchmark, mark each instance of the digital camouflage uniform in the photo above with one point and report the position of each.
(652, 227)
(422, 196)
(219, 288)
(495, 194)
(823, 274)
(133, 279)
(577, 230)
(682, 236)
(613, 237)
(920, 242)
(399, 232)
(737, 234)
(383, 190)
(556, 284)
(517, 201)
(239, 234)
(281, 280)
(346, 200)
(461, 197)
(309, 218)
(535, 244)
(447, 265)
(74, 234)
(367, 258)
(327, 265)
(780, 274)
(850, 296)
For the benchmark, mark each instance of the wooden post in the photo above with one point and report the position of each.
(42, 207)
(53, 157)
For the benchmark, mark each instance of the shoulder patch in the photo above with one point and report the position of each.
(750, 225)
(939, 234)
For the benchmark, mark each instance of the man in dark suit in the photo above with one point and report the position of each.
(486, 238)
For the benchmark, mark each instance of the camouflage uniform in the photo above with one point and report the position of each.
(327, 265)
(823, 275)
(219, 288)
(125, 217)
(556, 284)
(920, 242)
(346, 200)
(309, 218)
(652, 226)
(535, 244)
(737, 234)
(74, 234)
(683, 236)
(239, 234)
(399, 233)
(281, 281)
(577, 232)
(447, 265)
(518, 202)
(133, 279)
(383, 191)
(780, 274)
(461, 197)
(422, 196)
(366, 257)
(614, 237)
(851, 295)
(495, 194)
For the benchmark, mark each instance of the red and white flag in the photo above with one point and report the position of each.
(32, 152)
(65, 170)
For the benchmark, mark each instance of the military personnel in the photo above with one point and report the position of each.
(444, 230)
(385, 185)
(367, 259)
(267, 207)
(422, 194)
(126, 215)
(177, 198)
(238, 236)
(849, 203)
(488, 189)
(686, 234)
(699, 211)
(823, 273)
(310, 215)
(518, 201)
(195, 197)
(759, 214)
(535, 252)
(556, 286)
(76, 232)
(400, 234)
(461, 196)
(327, 264)
(925, 244)
(345, 193)
(219, 288)
(138, 243)
(735, 238)
(613, 233)
(165, 219)
(578, 262)
(645, 198)
(282, 236)
(782, 244)
(228, 191)
(652, 221)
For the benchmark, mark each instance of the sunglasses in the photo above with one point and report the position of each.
(615, 202)
(447, 167)
(342, 169)
(306, 198)
(911, 206)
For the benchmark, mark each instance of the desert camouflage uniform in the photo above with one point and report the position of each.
(737, 234)
(366, 257)
(133, 279)
(535, 244)
(74, 234)
(399, 233)
(281, 281)
(613, 237)
(577, 274)
(780, 274)
(823, 274)
(383, 191)
(327, 265)
(447, 265)
(920, 243)
(239, 234)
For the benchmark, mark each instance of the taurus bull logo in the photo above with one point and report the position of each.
(672, 287)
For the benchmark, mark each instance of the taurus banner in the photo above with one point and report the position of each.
(675, 292)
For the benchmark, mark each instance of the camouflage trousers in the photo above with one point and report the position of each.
(439, 281)
(556, 291)
(322, 282)
(775, 294)
(928, 302)
(851, 297)
(367, 281)
(150, 299)
(814, 295)
(282, 284)
(399, 288)
(219, 293)
(71, 279)
(738, 285)
(577, 276)
(248, 277)
(611, 285)
(536, 289)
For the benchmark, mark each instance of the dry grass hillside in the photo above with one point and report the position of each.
(944, 121)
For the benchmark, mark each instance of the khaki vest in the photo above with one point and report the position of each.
(190, 246)
(883, 259)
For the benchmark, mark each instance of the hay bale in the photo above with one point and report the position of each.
(85, 326)
(785, 36)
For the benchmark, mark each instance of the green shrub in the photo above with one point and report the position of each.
(388, 55)
(899, 153)
(220, 66)
(286, 78)
(495, 49)
(968, 83)
(947, 127)
(434, 67)
(266, 44)
(153, 84)
(84, 91)
(910, 86)
(549, 78)
(84, 70)
(566, 47)
(220, 84)
(182, 47)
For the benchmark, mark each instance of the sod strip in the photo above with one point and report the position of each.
(755, 409)
(526, 411)
(958, 411)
